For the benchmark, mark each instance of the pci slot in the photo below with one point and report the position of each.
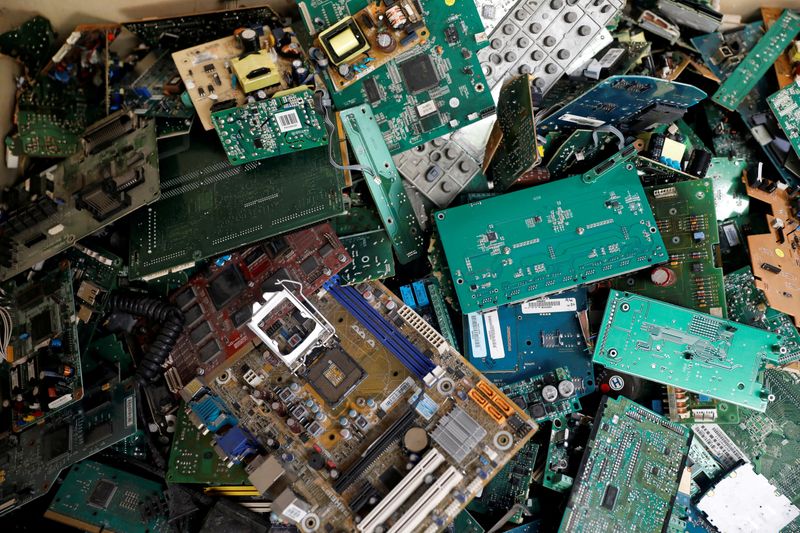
(423, 328)
(436, 493)
(377, 447)
(394, 341)
(401, 492)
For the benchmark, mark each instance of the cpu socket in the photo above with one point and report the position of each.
(334, 375)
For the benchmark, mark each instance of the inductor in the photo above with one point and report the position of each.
(397, 17)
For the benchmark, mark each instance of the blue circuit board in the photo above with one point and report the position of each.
(517, 341)
(619, 99)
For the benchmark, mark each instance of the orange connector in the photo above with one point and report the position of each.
(480, 400)
(490, 409)
(498, 399)
(495, 414)
(486, 389)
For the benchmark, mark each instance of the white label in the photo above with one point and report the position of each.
(583, 121)
(396, 394)
(294, 513)
(288, 120)
(610, 57)
(129, 411)
(58, 402)
(476, 335)
(494, 335)
(549, 305)
(426, 108)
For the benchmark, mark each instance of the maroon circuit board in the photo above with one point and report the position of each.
(217, 303)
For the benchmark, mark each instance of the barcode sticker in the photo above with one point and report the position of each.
(288, 120)
(476, 335)
(494, 335)
(549, 305)
(610, 57)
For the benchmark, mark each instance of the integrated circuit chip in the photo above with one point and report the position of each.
(226, 286)
(419, 73)
(102, 493)
(334, 375)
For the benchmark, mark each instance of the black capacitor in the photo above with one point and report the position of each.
(698, 163)
(249, 40)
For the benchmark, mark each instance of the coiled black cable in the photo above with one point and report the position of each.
(171, 319)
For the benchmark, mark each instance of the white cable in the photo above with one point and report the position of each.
(5, 333)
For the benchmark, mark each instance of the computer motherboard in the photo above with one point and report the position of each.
(400, 266)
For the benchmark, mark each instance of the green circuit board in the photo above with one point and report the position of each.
(759, 60)
(268, 128)
(192, 459)
(630, 472)
(84, 193)
(32, 460)
(693, 351)
(533, 395)
(518, 152)
(50, 119)
(259, 199)
(786, 106)
(42, 315)
(551, 237)
(95, 497)
(509, 487)
(748, 305)
(686, 218)
(31, 43)
(771, 440)
(372, 257)
(384, 182)
(426, 92)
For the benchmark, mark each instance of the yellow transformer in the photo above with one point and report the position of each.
(256, 71)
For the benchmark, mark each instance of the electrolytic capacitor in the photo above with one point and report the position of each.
(663, 276)
(249, 40)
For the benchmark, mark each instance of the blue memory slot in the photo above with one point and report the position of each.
(394, 341)
(421, 293)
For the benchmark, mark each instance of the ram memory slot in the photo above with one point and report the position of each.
(388, 335)
(375, 449)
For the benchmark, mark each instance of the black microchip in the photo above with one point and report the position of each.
(258, 144)
(102, 493)
(41, 326)
(372, 90)
(654, 471)
(451, 34)
(253, 256)
(56, 442)
(208, 351)
(326, 248)
(276, 247)
(200, 332)
(184, 298)
(271, 283)
(192, 314)
(309, 265)
(242, 315)
(226, 286)
(610, 497)
(209, 68)
(390, 478)
(419, 73)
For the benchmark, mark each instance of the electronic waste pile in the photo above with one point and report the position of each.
(404, 266)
